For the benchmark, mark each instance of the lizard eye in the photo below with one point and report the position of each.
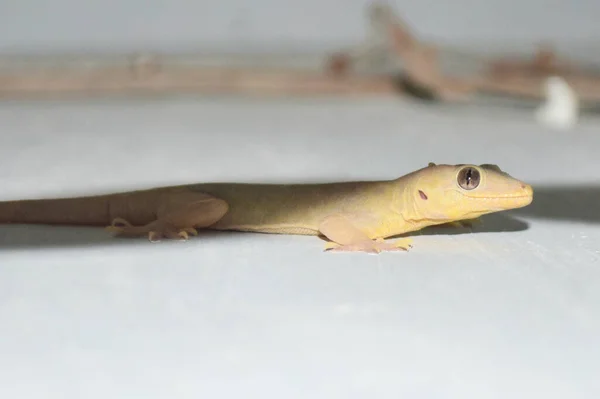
(468, 178)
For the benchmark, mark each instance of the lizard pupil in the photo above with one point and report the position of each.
(468, 178)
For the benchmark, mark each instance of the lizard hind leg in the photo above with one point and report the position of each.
(178, 217)
(155, 230)
(124, 228)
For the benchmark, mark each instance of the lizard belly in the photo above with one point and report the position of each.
(264, 219)
(260, 221)
(268, 229)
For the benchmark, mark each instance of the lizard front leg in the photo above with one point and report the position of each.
(346, 236)
(178, 216)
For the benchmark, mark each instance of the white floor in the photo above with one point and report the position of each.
(510, 310)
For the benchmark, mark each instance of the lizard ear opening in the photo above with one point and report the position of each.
(423, 195)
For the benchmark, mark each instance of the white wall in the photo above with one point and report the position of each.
(162, 24)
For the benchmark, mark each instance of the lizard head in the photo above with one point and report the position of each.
(455, 192)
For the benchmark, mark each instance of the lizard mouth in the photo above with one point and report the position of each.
(501, 202)
(500, 197)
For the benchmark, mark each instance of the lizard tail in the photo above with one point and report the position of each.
(88, 211)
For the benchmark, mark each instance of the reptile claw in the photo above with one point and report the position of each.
(118, 226)
(153, 236)
(191, 231)
(182, 235)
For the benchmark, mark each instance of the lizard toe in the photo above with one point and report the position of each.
(166, 231)
(120, 223)
(191, 231)
(154, 236)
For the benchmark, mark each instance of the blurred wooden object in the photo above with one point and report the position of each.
(149, 76)
(544, 62)
(368, 69)
(515, 77)
(202, 80)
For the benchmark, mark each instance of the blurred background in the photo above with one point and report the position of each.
(65, 25)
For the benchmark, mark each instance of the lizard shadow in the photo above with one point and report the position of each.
(579, 203)
(572, 202)
(40, 237)
(493, 223)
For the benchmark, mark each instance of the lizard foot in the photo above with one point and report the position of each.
(119, 226)
(373, 246)
(170, 232)
(155, 230)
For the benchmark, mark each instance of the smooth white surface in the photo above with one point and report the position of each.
(508, 311)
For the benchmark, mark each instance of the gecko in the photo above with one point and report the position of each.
(351, 216)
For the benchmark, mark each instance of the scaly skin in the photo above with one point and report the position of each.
(353, 216)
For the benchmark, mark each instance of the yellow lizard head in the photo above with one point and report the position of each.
(455, 192)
